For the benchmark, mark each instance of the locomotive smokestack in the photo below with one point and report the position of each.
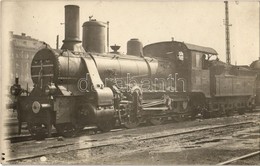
(71, 40)
(72, 23)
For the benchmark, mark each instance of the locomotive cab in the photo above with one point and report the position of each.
(199, 69)
(190, 62)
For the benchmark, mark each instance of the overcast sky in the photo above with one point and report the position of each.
(198, 23)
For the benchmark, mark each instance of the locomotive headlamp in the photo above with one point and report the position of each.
(15, 90)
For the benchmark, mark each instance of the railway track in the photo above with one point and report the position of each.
(239, 158)
(19, 138)
(27, 137)
(59, 148)
(55, 135)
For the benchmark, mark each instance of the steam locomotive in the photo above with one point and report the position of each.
(81, 84)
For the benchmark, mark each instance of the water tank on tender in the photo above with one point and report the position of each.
(94, 36)
(134, 47)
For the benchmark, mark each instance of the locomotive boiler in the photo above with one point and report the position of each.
(82, 84)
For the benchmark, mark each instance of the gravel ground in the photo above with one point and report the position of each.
(202, 147)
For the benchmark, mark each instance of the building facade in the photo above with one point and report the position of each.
(22, 50)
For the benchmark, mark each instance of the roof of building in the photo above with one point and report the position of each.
(22, 36)
(23, 41)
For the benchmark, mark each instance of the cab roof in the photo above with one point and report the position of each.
(191, 47)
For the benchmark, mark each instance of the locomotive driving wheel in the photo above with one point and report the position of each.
(67, 129)
(132, 119)
(181, 110)
(179, 118)
(157, 121)
(41, 130)
(128, 118)
(132, 122)
(106, 125)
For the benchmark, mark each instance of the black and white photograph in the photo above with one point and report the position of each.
(149, 82)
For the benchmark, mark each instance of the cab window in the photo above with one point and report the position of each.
(180, 56)
(196, 60)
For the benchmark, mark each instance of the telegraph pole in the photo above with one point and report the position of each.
(228, 57)
(108, 36)
(57, 42)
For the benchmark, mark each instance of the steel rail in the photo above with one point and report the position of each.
(239, 158)
(126, 141)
